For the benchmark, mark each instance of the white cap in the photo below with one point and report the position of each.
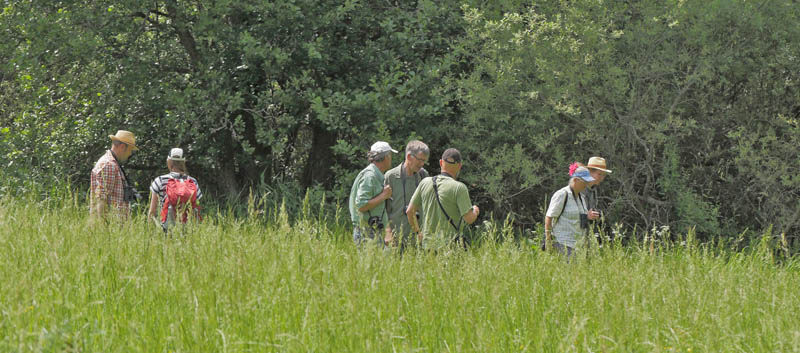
(176, 154)
(380, 147)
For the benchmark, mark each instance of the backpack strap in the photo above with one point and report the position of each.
(564, 206)
(436, 190)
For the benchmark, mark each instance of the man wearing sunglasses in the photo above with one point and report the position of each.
(404, 180)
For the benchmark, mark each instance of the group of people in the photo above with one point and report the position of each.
(572, 207)
(402, 206)
(432, 211)
(173, 196)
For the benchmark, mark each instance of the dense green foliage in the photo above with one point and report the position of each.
(695, 104)
(260, 284)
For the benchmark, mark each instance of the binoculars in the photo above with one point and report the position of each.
(130, 194)
(375, 222)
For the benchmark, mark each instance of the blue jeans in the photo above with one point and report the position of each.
(365, 234)
(563, 249)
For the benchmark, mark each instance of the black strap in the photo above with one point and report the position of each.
(564, 206)
(403, 181)
(124, 175)
(436, 190)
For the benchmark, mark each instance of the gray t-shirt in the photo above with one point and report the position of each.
(403, 187)
(567, 224)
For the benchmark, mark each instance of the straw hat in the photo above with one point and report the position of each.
(598, 163)
(125, 137)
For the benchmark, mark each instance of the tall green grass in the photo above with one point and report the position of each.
(262, 283)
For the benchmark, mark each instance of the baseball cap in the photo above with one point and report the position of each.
(583, 173)
(380, 147)
(452, 156)
(176, 154)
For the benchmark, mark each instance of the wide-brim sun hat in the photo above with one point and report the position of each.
(598, 163)
(125, 137)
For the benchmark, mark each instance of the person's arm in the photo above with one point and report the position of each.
(105, 176)
(152, 213)
(548, 232)
(556, 207)
(472, 214)
(99, 205)
(388, 238)
(468, 213)
(375, 201)
(411, 213)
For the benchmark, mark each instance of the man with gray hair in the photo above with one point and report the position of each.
(368, 196)
(404, 179)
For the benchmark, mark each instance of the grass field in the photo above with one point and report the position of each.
(255, 284)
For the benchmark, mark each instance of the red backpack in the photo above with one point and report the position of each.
(181, 195)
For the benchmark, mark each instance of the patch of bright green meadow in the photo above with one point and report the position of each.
(255, 284)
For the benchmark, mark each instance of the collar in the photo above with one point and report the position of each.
(375, 169)
(403, 174)
(447, 175)
(115, 157)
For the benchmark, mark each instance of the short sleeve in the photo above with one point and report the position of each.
(416, 199)
(106, 177)
(365, 190)
(155, 186)
(556, 204)
(199, 192)
(462, 200)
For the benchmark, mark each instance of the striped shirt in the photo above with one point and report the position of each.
(107, 185)
(159, 185)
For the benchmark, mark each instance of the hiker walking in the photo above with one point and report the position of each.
(568, 214)
(173, 193)
(110, 192)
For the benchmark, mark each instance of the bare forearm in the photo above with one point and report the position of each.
(472, 215)
(548, 227)
(411, 214)
(372, 203)
(153, 211)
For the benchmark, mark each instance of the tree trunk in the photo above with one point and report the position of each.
(320, 159)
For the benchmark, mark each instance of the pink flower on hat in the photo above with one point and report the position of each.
(572, 167)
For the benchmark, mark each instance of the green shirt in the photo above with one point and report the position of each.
(455, 200)
(403, 187)
(368, 184)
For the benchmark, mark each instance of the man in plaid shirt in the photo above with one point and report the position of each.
(108, 181)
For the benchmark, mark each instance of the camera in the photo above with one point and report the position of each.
(130, 194)
(375, 222)
(584, 221)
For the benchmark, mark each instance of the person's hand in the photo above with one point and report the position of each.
(548, 241)
(388, 239)
(387, 192)
(476, 210)
(593, 214)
